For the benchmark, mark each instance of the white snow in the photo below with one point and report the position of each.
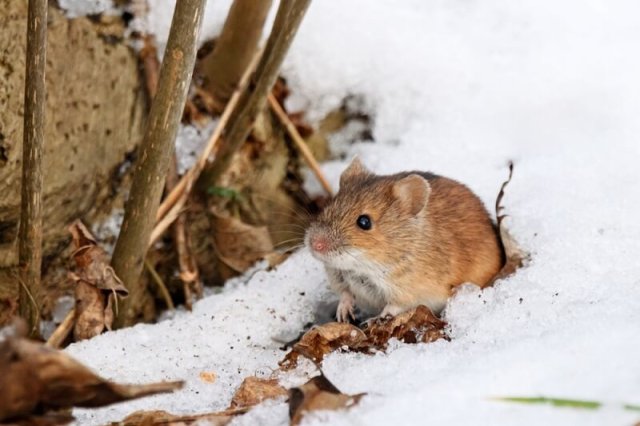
(75, 8)
(457, 87)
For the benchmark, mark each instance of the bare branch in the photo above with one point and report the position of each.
(288, 19)
(30, 233)
(235, 47)
(155, 152)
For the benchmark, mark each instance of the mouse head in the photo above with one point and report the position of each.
(369, 218)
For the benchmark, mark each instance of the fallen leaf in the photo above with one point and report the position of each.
(318, 394)
(254, 390)
(35, 378)
(514, 255)
(96, 284)
(153, 418)
(208, 376)
(323, 339)
(416, 325)
(238, 244)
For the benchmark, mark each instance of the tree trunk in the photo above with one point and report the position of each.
(234, 49)
(157, 147)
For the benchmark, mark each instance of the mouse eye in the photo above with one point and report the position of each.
(364, 222)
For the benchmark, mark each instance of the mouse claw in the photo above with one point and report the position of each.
(345, 307)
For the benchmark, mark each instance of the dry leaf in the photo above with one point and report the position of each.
(208, 376)
(416, 325)
(514, 255)
(153, 418)
(318, 394)
(254, 390)
(35, 378)
(323, 339)
(240, 245)
(96, 284)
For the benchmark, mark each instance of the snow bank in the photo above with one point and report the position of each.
(457, 87)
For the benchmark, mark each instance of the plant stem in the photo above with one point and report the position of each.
(235, 47)
(30, 231)
(287, 22)
(155, 154)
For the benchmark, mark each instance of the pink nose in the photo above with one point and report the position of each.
(320, 244)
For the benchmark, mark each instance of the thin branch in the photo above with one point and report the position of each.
(176, 196)
(30, 231)
(161, 285)
(155, 152)
(63, 330)
(299, 142)
(189, 274)
(288, 19)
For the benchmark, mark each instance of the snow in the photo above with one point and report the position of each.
(75, 8)
(459, 88)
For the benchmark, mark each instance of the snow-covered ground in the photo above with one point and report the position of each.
(458, 87)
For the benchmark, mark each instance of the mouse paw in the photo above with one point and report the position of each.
(345, 307)
(388, 311)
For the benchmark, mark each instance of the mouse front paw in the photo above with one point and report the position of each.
(346, 307)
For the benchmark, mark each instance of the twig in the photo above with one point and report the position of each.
(163, 288)
(300, 143)
(287, 21)
(188, 268)
(63, 330)
(155, 153)
(30, 231)
(188, 180)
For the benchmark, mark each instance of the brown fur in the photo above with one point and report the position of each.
(424, 249)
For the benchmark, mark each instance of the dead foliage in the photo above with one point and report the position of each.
(515, 257)
(318, 394)
(254, 390)
(416, 325)
(159, 417)
(35, 379)
(239, 245)
(97, 286)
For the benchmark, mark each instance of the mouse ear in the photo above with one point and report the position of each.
(355, 169)
(411, 193)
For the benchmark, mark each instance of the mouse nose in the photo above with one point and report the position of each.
(320, 244)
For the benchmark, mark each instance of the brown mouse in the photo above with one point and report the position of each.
(391, 243)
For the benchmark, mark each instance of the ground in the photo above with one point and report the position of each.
(458, 88)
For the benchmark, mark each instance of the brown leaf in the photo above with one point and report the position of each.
(96, 284)
(35, 378)
(318, 394)
(416, 325)
(240, 245)
(153, 418)
(323, 339)
(515, 257)
(254, 390)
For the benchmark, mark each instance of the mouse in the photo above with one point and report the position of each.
(390, 243)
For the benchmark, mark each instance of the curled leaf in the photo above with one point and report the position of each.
(318, 394)
(97, 285)
(323, 339)
(35, 379)
(254, 390)
(238, 244)
(413, 326)
(514, 255)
